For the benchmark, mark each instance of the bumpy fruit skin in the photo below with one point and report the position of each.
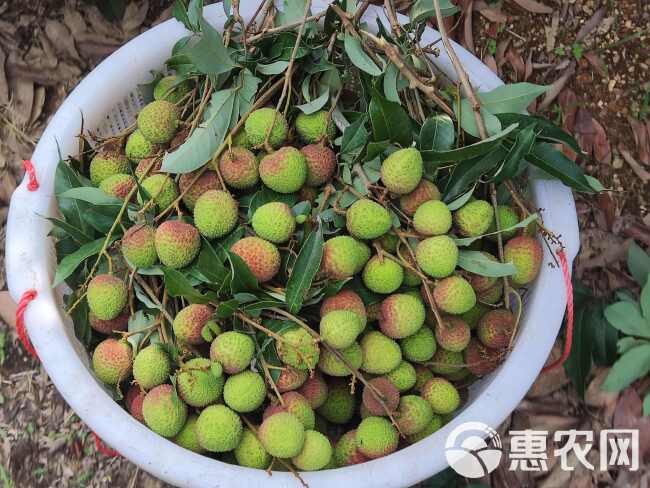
(381, 354)
(315, 127)
(316, 452)
(177, 243)
(441, 395)
(420, 346)
(321, 164)
(219, 429)
(314, 390)
(298, 349)
(481, 283)
(138, 147)
(260, 122)
(158, 121)
(118, 324)
(133, 401)
(164, 412)
(414, 414)
(215, 213)
(239, 168)
(447, 362)
(481, 360)
(104, 165)
(526, 254)
(261, 257)
(495, 328)
(274, 222)
(492, 295)
(382, 275)
(454, 295)
(291, 379)
(187, 437)
(339, 406)
(170, 89)
(346, 451)
(472, 316)
(151, 366)
(240, 139)
(197, 385)
(162, 189)
(282, 435)
(422, 375)
(437, 256)
(432, 218)
(366, 219)
(453, 335)
(402, 171)
(387, 390)
(401, 315)
(340, 328)
(146, 167)
(424, 192)
(112, 360)
(342, 256)
(331, 365)
(208, 180)
(250, 452)
(434, 424)
(118, 185)
(508, 217)
(474, 218)
(106, 296)
(403, 377)
(189, 322)
(233, 350)
(345, 300)
(139, 247)
(295, 404)
(285, 170)
(244, 392)
(376, 437)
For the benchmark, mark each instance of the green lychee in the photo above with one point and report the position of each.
(401, 315)
(118, 185)
(171, 89)
(321, 164)
(495, 328)
(151, 366)
(315, 127)
(420, 346)
(453, 335)
(422, 375)
(382, 275)
(381, 354)
(118, 324)
(298, 348)
(472, 316)
(107, 164)
(285, 170)
(219, 429)
(437, 256)
(250, 452)
(192, 190)
(454, 295)
(240, 139)
(295, 404)
(239, 168)
(261, 257)
(274, 222)
(413, 415)
(215, 213)
(282, 435)
(366, 219)
(441, 395)
(265, 122)
(330, 364)
(138, 246)
(197, 384)
(403, 377)
(158, 121)
(187, 437)
(389, 242)
(316, 452)
(112, 360)
(434, 424)
(106, 296)
(424, 192)
(244, 392)
(402, 171)
(380, 397)
(314, 390)
(189, 323)
(162, 190)
(432, 218)
(138, 147)
(508, 217)
(291, 379)
(346, 451)
(234, 350)
(345, 300)
(446, 362)
(177, 243)
(340, 328)
(164, 412)
(340, 403)
(474, 218)
(526, 254)
(376, 437)
(341, 257)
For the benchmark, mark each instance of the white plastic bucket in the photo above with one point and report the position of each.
(31, 263)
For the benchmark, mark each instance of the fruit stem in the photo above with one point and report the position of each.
(497, 221)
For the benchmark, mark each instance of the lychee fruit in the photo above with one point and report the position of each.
(314, 390)
(316, 452)
(454, 295)
(133, 401)
(158, 121)
(340, 328)
(261, 257)
(315, 127)
(401, 172)
(295, 404)
(479, 282)
(491, 295)
(162, 190)
(366, 219)
(187, 437)
(403, 377)
(380, 397)
(265, 122)
(164, 412)
(239, 168)
(389, 242)
(146, 167)
(234, 350)
(250, 452)
(432, 218)
(285, 170)
(346, 451)
(219, 429)
(419, 347)
(376, 437)
(112, 360)
(106, 296)
(298, 348)
(189, 323)
(240, 139)
(171, 89)
(453, 335)
(282, 435)
(473, 315)
(291, 379)
(495, 328)
(474, 218)
(106, 164)
(341, 257)
(434, 424)
(340, 403)
(441, 395)
(106, 327)
(446, 362)
(437, 256)
(139, 246)
(197, 384)
(138, 147)
(424, 192)
(413, 415)
(422, 375)
(215, 213)
(508, 217)
(381, 354)
(208, 180)
(244, 392)
(382, 275)
(330, 364)
(177, 243)
(321, 164)
(401, 315)
(274, 222)
(118, 185)
(526, 254)
(151, 366)
(345, 300)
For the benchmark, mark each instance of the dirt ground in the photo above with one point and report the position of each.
(593, 53)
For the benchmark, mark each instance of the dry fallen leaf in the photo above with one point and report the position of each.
(4, 87)
(491, 63)
(596, 62)
(517, 63)
(61, 39)
(468, 35)
(502, 47)
(641, 139)
(551, 381)
(22, 99)
(7, 309)
(551, 31)
(636, 167)
(492, 13)
(134, 15)
(569, 104)
(629, 415)
(557, 86)
(591, 24)
(533, 6)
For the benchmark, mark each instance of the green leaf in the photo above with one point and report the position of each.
(513, 98)
(646, 404)
(478, 263)
(242, 277)
(517, 153)
(604, 336)
(139, 322)
(638, 263)
(437, 133)
(195, 13)
(210, 266)
(72, 209)
(272, 68)
(627, 318)
(209, 54)
(180, 14)
(305, 268)
(82, 329)
(549, 132)
(355, 137)
(644, 301)
(626, 343)
(424, 9)
(77, 234)
(578, 364)
(178, 285)
(467, 173)
(293, 11)
(92, 195)
(461, 200)
(389, 120)
(358, 56)
(556, 164)
(468, 119)
(316, 104)
(595, 184)
(520, 225)
(468, 152)
(390, 83)
(634, 364)
(69, 264)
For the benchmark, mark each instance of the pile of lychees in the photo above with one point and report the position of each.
(368, 376)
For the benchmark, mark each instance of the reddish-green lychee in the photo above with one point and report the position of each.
(413, 415)
(340, 403)
(376, 437)
(133, 401)
(401, 315)
(118, 324)
(261, 257)
(291, 379)
(158, 121)
(526, 254)
(346, 451)
(139, 246)
(422, 375)
(321, 164)
(453, 335)
(432, 218)
(189, 323)
(491, 295)
(162, 190)
(118, 185)
(382, 275)
(177, 243)
(192, 190)
(295, 404)
(343, 256)
(274, 222)
(112, 361)
(164, 412)
(366, 219)
(345, 300)
(402, 171)
(298, 348)
(234, 350)
(437, 256)
(215, 213)
(266, 124)
(380, 397)
(454, 295)
(495, 328)
(239, 168)
(424, 192)
(146, 167)
(106, 164)
(446, 362)
(197, 383)
(419, 347)
(314, 390)
(381, 354)
(442, 396)
(474, 218)
(285, 170)
(479, 282)
(106, 296)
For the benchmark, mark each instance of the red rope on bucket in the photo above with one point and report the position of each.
(32, 185)
(21, 330)
(103, 448)
(569, 313)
